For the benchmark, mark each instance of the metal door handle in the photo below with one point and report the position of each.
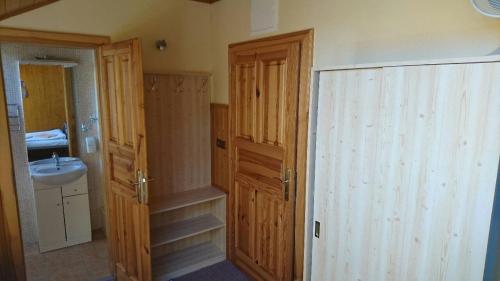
(139, 182)
(141, 187)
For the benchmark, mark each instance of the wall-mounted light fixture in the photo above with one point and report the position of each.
(161, 45)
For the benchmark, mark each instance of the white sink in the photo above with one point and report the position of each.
(48, 173)
(51, 160)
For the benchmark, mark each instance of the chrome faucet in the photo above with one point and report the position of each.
(55, 156)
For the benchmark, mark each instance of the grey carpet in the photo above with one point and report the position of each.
(223, 271)
(109, 278)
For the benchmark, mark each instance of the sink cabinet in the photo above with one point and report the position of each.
(63, 214)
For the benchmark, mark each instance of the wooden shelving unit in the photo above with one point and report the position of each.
(187, 260)
(188, 231)
(185, 199)
(184, 229)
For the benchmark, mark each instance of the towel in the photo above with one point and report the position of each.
(55, 134)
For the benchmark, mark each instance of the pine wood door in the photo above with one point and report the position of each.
(264, 102)
(124, 139)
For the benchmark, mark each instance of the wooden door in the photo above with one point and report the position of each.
(264, 102)
(124, 143)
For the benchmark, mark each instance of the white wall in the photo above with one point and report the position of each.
(348, 31)
(185, 25)
(85, 98)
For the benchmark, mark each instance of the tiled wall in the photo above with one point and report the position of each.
(85, 96)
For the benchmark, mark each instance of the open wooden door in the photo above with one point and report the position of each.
(124, 144)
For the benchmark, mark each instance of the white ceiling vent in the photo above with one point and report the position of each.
(490, 8)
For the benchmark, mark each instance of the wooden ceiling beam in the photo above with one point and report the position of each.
(10, 8)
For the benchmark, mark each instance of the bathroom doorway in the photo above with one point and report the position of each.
(52, 104)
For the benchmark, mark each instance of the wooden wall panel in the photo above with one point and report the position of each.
(178, 130)
(406, 165)
(219, 143)
(10, 8)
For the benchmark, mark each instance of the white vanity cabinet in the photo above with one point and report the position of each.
(63, 214)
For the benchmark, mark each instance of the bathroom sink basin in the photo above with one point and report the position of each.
(51, 174)
(51, 161)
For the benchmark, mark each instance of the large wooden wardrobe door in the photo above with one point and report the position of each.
(122, 104)
(264, 98)
(406, 165)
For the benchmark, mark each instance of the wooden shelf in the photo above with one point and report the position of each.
(184, 199)
(184, 229)
(187, 260)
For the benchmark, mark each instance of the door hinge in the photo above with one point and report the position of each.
(286, 183)
(317, 226)
(294, 185)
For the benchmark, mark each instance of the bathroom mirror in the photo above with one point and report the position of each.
(48, 106)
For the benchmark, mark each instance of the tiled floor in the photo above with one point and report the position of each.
(85, 262)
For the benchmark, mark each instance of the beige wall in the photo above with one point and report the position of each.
(348, 31)
(184, 24)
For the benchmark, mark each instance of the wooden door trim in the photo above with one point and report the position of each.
(52, 38)
(27, 8)
(8, 196)
(305, 38)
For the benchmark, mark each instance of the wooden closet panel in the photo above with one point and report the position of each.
(220, 145)
(406, 164)
(9, 8)
(178, 125)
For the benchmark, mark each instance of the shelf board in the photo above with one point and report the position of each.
(184, 199)
(184, 229)
(185, 261)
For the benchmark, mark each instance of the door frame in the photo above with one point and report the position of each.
(306, 40)
(8, 193)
